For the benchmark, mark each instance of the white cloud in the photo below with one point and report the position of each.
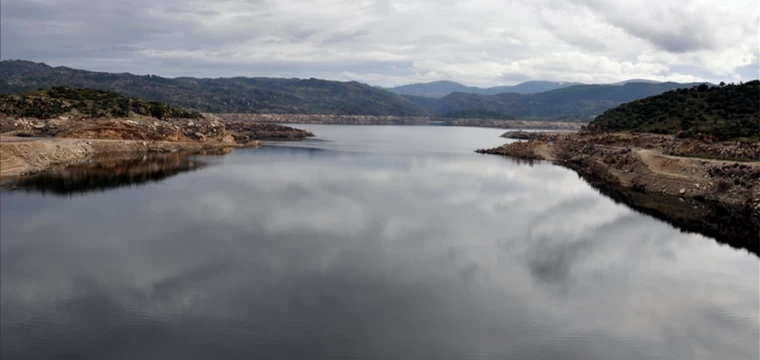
(391, 42)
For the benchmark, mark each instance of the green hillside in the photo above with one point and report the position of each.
(57, 101)
(234, 95)
(439, 89)
(724, 112)
(579, 102)
(314, 96)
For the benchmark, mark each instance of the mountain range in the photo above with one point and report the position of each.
(314, 96)
(439, 89)
(577, 102)
(221, 95)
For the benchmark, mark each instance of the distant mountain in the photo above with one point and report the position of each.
(236, 95)
(439, 89)
(636, 81)
(530, 87)
(725, 112)
(579, 102)
(314, 96)
(435, 89)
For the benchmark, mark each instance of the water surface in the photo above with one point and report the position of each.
(369, 242)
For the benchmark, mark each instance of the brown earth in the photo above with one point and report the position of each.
(30, 145)
(716, 197)
(398, 120)
(207, 129)
(27, 156)
(653, 163)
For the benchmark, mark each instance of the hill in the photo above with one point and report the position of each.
(322, 97)
(635, 81)
(57, 101)
(579, 102)
(435, 89)
(230, 95)
(724, 112)
(439, 89)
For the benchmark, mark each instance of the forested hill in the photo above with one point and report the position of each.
(244, 95)
(314, 96)
(439, 89)
(724, 112)
(57, 101)
(579, 102)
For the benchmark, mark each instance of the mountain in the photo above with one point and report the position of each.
(57, 101)
(234, 95)
(574, 102)
(438, 89)
(724, 112)
(636, 81)
(530, 87)
(314, 96)
(435, 89)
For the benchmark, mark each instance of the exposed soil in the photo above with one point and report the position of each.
(523, 135)
(207, 129)
(32, 145)
(648, 163)
(663, 176)
(397, 120)
(22, 156)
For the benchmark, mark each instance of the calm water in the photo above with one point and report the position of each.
(366, 243)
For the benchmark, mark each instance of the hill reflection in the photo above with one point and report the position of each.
(735, 226)
(110, 174)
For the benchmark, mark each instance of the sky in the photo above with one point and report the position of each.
(393, 42)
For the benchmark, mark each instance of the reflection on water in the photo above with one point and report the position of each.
(409, 247)
(109, 174)
(736, 226)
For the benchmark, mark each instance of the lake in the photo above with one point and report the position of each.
(368, 242)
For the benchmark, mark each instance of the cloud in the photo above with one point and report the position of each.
(440, 254)
(391, 42)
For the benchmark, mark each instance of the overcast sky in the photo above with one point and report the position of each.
(393, 42)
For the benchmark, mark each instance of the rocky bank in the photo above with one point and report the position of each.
(29, 156)
(31, 145)
(398, 120)
(727, 172)
(715, 179)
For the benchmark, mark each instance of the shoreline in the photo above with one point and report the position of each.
(21, 156)
(651, 163)
(669, 178)
(295, 119)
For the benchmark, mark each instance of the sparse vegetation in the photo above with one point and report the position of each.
(576, 103)
(57, 101)
(222, 95)
(322, 97)
(722, 112)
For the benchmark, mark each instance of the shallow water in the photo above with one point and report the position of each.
(369, 242)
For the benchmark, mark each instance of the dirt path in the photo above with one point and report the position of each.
(545, 151)
(638, 161)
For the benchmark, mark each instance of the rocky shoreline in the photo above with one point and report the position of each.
(398, 120)
(31, 145)
(666, 167)
(29, 156)
(652, 163)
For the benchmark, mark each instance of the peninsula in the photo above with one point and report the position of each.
(61, 125)
(700, 146)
